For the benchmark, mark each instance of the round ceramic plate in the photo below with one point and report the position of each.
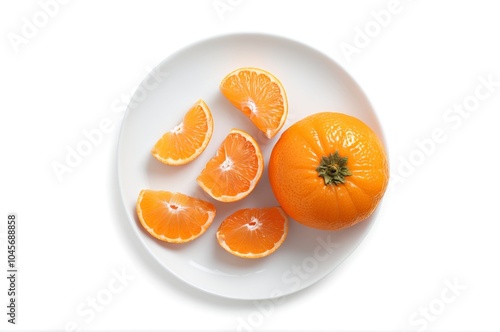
(313, 82)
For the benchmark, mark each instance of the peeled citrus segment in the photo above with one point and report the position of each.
(253, 233)
(235, 169)
(259, 95)
(173, 217)
(187, 140)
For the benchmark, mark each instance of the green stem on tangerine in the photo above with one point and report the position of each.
(333, 169)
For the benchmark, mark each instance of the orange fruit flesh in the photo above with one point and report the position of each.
(235, 169)
(187, 140)
(253, 232)
(174, 217)
(260, 96)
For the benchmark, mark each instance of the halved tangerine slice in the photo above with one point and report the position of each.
(254, 232)
(187, 140)
(173, 217)
(235, 170)
(259, 95)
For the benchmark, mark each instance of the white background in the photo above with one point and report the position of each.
(438, 224)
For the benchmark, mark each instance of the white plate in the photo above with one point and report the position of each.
(314, 83)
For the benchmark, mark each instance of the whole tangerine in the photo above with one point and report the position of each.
(329, 171)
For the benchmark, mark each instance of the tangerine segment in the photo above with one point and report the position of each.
(173, 217)
(253, 233)
(187, 140)
(235, 169)
(259, 95)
